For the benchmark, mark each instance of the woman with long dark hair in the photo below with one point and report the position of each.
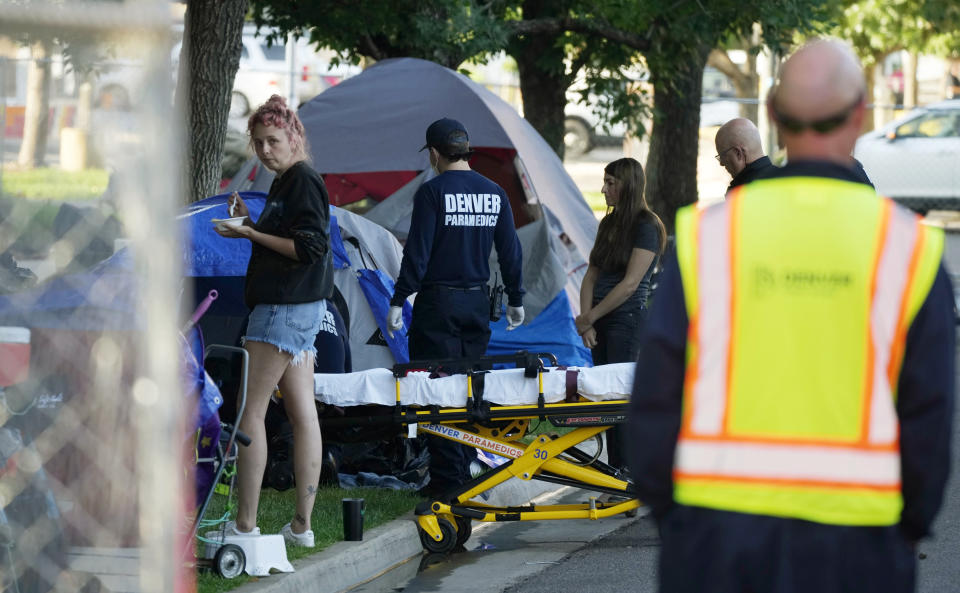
(615, 289)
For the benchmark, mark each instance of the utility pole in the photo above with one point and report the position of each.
(291, 58)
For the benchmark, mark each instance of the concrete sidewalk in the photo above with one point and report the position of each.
(347, 564)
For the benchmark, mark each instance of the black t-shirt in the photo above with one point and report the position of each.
(647, 236)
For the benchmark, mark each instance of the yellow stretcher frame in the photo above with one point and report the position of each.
(446, 521)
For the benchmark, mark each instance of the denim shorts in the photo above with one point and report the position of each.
(291, 328)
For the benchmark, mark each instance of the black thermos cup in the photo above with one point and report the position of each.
(353, 519)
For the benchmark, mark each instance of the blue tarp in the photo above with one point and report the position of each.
(378, 288)
(551, 331)
(210, 255)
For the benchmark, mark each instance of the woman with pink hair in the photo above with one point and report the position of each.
(289, 275)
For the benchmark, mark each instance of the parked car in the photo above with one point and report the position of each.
(264, 71)
(583, 130)
(916, 159)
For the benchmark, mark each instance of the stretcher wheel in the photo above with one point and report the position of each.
(229, 561)
(464, 529)
(446, 544)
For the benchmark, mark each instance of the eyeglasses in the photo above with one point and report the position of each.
(820, 126)
(723, 152)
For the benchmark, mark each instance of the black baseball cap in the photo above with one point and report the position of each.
(444, 132)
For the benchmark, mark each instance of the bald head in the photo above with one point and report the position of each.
(738, 136)
(821, 79)
(821, 82)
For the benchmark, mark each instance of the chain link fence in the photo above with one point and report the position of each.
(91, 425)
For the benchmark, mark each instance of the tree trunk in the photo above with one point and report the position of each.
(750, 90)
(84, 102)
(544, 96)
(675, 139)
(209, 59)
(870, 81)
(543, 78)
(910, 94)
(36, 121)
(745, 83)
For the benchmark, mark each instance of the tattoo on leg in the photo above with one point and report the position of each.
(300, 520)
(311, 490)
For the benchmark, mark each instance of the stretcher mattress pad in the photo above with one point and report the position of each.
(507, 387)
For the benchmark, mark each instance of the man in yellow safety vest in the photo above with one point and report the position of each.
(793, 402)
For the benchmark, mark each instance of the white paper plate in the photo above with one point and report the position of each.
(225, 223)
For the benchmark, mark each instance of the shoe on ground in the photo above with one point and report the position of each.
(304, 539)
(231, 529)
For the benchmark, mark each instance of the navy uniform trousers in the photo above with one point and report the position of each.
(449, 323)
(711, 551)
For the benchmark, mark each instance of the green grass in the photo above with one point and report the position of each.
(53, 184)
(276, 509)
(31, 199)
(596, 201)
(538, 427)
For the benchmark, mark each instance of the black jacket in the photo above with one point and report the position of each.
(761, 167)
(297, 207)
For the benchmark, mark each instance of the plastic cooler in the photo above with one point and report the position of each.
(14, 355)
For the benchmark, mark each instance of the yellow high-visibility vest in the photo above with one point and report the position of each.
(799, 293)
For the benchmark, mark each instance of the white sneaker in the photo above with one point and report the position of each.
(304, 539)
(231, 529)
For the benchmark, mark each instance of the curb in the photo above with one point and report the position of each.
(345, 565)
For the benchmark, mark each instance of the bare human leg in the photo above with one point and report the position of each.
(267, 365)
(296, 385)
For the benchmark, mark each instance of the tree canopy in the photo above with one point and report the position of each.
(555, 40)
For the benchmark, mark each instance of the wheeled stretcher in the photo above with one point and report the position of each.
(492, 410)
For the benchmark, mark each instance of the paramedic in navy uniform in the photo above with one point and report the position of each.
(457, 217)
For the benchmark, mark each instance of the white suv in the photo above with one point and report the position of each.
(916, 159)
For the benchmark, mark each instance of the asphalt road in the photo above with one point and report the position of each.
(625, 560)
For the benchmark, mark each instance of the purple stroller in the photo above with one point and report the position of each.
(214, 442)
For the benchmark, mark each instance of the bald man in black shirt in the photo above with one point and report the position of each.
(740, 152)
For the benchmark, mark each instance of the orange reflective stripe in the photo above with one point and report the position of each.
(893, 282)
(775, 461)
(690, 376)
(780, 440)
(733, 244)
(870, 354)
(900, 338)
